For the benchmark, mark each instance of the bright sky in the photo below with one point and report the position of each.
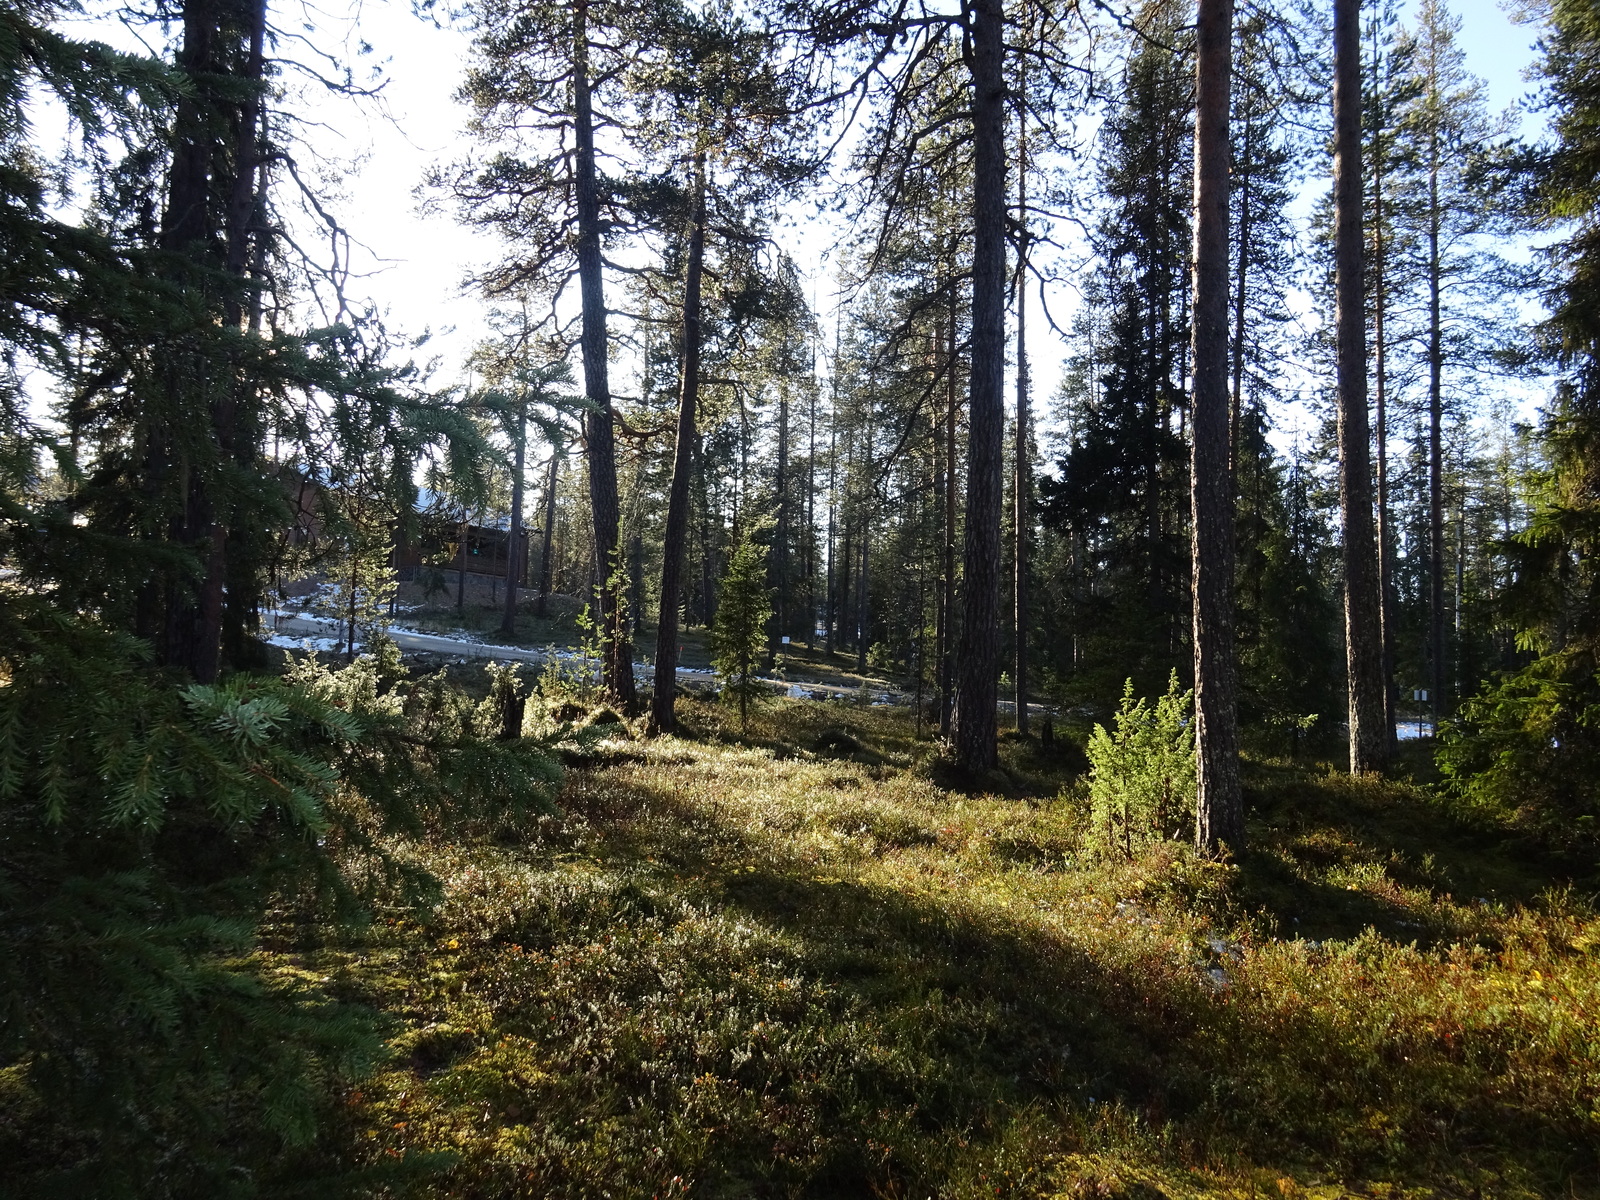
(413, 264)
(421, 259)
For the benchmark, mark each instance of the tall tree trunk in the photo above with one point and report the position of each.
(663, 717)
(975, 726)
(833, 438)
(192, 618)
(941, 614)
(947, 580)
(1022, 478)
(1436, 547)
(1219, 811)
(617, 664)
(1363, 654)
(811, 511)
(780, 555)
(864, 579)
(232, 591)
(1236, 400)
(542, 609)
(461, 572)
(1380, 308)
(508, 622)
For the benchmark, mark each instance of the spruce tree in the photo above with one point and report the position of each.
(739, 634)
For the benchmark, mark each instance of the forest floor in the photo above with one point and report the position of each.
(805, 961)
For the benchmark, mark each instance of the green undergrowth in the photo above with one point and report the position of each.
(798, 966)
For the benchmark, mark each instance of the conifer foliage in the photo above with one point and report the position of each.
(739, 637)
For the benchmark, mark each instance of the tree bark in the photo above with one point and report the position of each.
(863, 579)
(461, 572)
(948, 568)
(508, 622)
(975, 723)
(617, 664)
(1219, 811)
(541, 610)
(192, 617)
(780, 547)
(1021, 484)
(1380, 306)
(663, 717)
(1436, 547)
(1363, 653)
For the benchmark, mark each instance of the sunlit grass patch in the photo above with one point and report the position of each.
(751, 967)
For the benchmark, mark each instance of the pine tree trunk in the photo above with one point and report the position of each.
(863, 579)
(542, 608)
(617, 663)
(780, 556)
(461, 573)
(1380, 306)
(948, 573)
(811, 513)
(508, 622)
(1436, 546)
(833, 461)
(1021, 485)
(975, 724)
(1363, 652)
(663, 718)
(1219, 811)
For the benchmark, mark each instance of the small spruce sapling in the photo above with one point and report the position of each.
(739, 635)
(1142, 777)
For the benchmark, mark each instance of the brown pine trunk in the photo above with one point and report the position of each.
(975, 724)
(1363, 652)
(1219, 811)
(833, 445)
(1022, 478)
(1380, 304)
(508, 622)
(811, 513)
(1436, 547)
(663, 717)
(1241, 278)
(863, 578)
(944, 488)
(541, 610)
(780, 548)
(617, 663)
(461, 573)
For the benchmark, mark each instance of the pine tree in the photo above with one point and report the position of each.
(1220, 810)
(1369, 742)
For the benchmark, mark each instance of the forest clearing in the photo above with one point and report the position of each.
(799, 599)
(792, 963)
